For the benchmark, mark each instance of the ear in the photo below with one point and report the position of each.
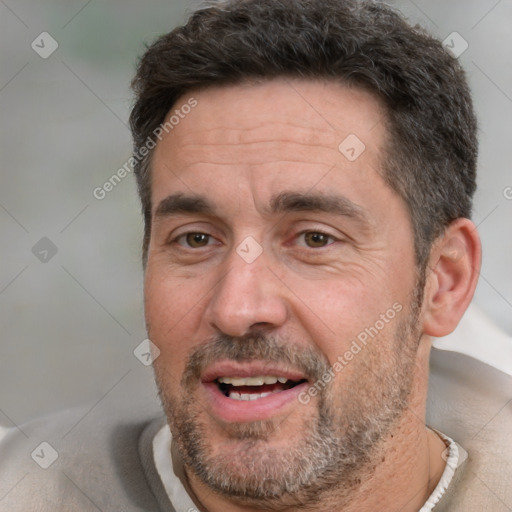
(452, 276)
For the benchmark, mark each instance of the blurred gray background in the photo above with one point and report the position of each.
(71, 319)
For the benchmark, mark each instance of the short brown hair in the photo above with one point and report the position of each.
(431, 156)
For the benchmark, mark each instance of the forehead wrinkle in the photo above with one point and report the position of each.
(235, 130)
(279, 143)
(271, 131)
(261, 152)
(249, 165)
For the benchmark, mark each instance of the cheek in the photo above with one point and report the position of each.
(167, 298)
(157, 308)
(170, 312)
(337, 310)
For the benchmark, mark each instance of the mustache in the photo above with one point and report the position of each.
(251, 347)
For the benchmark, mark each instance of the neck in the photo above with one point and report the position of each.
(405, 470)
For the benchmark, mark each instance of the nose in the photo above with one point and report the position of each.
(249, 296)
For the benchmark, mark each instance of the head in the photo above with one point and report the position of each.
(306, 188)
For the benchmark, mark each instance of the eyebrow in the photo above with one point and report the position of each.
(181, 203)
(284, 202)
(318, 202)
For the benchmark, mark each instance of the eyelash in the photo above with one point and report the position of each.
(184, 236)
(331, 238)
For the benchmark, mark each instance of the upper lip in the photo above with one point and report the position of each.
(243, 369)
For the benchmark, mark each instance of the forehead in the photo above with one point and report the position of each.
(275, 132)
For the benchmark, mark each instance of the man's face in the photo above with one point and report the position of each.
(277, 250)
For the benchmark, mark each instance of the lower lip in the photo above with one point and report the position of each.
(238, 411)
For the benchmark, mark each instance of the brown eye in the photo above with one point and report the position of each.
(315, 239)
(196, 240)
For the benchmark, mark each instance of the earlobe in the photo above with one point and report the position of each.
(452, 276)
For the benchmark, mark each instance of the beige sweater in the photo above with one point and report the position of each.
(105, 452)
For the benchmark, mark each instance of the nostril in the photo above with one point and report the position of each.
(261, 326)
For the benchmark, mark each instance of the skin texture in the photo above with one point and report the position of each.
(299, 304)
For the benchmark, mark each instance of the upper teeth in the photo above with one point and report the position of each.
(252, 381)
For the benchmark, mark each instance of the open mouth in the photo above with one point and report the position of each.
(246, 391)
(254, 388)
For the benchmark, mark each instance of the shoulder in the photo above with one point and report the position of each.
(471, 402)
(85, 458)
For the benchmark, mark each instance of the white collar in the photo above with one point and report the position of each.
(177, 493)
(454, 455)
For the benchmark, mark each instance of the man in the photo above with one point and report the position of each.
(306, 170)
